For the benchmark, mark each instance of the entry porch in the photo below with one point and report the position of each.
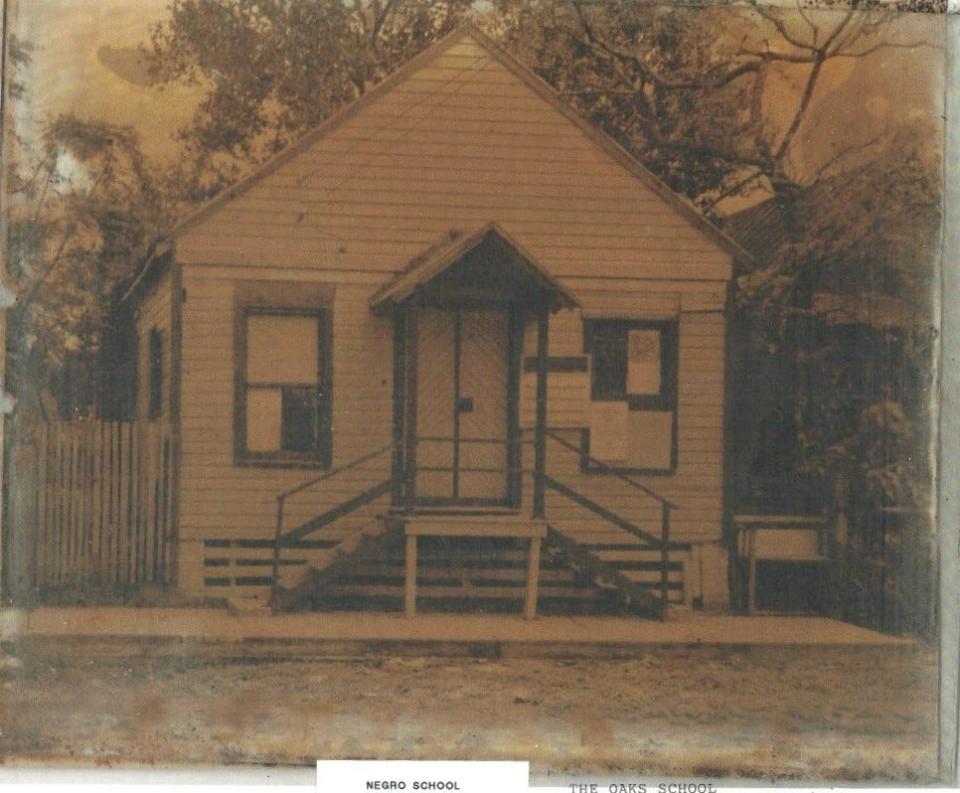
(465, 479)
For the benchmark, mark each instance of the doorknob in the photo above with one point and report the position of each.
(465, 405)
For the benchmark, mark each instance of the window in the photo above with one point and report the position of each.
(633, 391)
(155, 370)
(284, 388)
(633, 361)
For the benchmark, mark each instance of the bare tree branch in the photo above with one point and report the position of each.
(814, 29)
(841, 155)
(381, 19)
(885, 45)
(729, 191)
(782, 29)
(596, 43)
(807, 95)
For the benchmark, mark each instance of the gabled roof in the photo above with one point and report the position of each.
(433, 263)
(531, 80)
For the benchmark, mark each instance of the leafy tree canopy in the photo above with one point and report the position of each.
(275, 68)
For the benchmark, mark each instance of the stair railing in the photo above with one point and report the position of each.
(666, 508)
(339, 511)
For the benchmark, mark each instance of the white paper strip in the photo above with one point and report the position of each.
(410, 776)
(608, 431)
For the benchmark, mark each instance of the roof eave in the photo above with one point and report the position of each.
(407, 283)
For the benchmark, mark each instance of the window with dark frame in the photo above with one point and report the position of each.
(284, 387)
(633, 361)
(633, 371)
(155, 374)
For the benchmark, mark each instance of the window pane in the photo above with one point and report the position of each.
(264, 411)
(643, 362)
(609, 363)
(299, 432)
(282, 349)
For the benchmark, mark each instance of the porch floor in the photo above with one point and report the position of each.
(508, 634)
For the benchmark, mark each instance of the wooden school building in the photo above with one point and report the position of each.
(455, 348)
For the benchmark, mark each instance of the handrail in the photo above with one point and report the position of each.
(666, 506)
(282, 500)
(600, 511)
(329, 474)
(622, 523)
(612, 471)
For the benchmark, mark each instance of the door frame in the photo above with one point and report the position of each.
(406, 343)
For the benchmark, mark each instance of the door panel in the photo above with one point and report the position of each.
(484, 362)
(435, 403)
(462, 411)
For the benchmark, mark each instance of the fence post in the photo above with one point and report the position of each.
(41, 528)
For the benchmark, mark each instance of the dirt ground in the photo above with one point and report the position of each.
(811, 712)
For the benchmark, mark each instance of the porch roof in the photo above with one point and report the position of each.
(489, 242)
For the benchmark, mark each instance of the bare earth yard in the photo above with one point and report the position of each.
(768, 711)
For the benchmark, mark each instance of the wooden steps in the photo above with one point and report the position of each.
(635, 596)
(463, 573)
(468, 560)
(297, 584)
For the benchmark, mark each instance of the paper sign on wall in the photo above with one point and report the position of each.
(608, 431)
(643, 362)
(651, 439)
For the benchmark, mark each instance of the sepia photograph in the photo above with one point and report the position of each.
(524, 380)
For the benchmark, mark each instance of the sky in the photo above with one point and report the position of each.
(85, 62)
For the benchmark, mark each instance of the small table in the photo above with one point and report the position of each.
(799, 539)
(453, 526)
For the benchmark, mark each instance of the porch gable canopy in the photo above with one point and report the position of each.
(481, 263)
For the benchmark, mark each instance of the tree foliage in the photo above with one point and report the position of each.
(685, 88)
(275, 68)
(82, 207)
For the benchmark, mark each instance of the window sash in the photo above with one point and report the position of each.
(607, 342)
(282, 348)
(299, 412)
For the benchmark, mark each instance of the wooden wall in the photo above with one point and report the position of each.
(222, 500)
(697, 483)
(93, 507)
(456, 142)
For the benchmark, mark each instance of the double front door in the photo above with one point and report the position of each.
(463, 406)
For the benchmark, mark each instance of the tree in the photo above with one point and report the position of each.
(685, 88)
(835, 333)
(275, 68)
(81, 211)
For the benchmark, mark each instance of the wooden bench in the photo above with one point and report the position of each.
(502, 526)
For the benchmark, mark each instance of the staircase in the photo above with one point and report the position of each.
(632, 571)
(475, 559)
(645, 569)
(295, 584)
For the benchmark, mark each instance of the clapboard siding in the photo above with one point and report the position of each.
(457, 143)
(696, 484)
(222, 499)
(154, 312)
